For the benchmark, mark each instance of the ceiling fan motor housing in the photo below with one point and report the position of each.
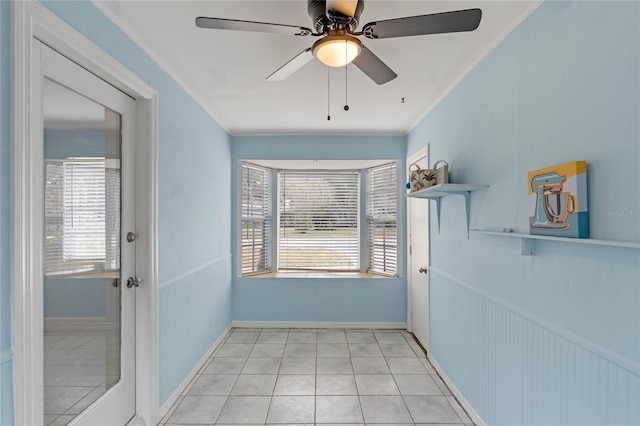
(335, 21)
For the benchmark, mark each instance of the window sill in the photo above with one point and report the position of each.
(318, 274)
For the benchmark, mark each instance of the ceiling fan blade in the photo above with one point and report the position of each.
(373, 67)
(261, 27)
(343, 7)
(292, 66)
(436, 23)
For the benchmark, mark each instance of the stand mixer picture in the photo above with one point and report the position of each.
(553, 205)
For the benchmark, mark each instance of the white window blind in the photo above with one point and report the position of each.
(382, 207)
(318, 225)
(112, 230)
(256, 219)
(82, 217)
(53, 214)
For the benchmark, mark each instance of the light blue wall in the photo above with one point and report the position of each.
(60, 144)
(552, 338)
(80, 297)
(300, 299)
(194, 215)
(6, 364)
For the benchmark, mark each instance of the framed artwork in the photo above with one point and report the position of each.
(558, 201)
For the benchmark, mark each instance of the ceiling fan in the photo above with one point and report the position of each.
(336, 21)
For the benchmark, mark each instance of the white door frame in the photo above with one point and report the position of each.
(32, 20)
(415, 156)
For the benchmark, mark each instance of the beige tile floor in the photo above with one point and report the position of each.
(317, 376)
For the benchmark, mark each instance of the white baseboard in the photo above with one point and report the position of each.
(183, 385)
(314, 324)
(83, 323)
(473, 415)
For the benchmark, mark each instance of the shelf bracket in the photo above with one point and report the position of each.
(528, 247)
(437, 200)
(467, 206)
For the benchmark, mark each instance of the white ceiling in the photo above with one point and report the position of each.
(225, 71)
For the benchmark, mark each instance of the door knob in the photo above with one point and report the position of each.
(134, 282)
(423, 270)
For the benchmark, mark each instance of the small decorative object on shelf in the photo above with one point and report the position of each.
(442, 173)
(420, 178)
(558, 201)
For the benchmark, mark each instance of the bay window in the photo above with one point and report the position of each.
(323, 220)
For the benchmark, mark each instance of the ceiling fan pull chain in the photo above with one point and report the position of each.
(346, 79)
(328, 93)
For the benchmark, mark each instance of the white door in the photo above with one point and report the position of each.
(418, 229)
(88, 316)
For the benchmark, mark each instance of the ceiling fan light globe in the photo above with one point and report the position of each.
(337, 51)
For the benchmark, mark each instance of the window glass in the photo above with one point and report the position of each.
(318, 226)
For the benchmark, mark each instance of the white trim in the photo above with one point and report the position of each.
(88, 321)
(401, 217)
(189, 377)
(82, 323)
(473, 415)
(319, 324)
(363, 236)
(274, 225)
(32, 20)
(106, 8)
(237, 237)
(147, 346)
(177, 279)
(27, 371)
(477, 60)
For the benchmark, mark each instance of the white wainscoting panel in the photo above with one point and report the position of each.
(513, 371)
(194, 310)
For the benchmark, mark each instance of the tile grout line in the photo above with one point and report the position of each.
(443, 382)
(350, 353)
(396, 383)
(277, 374)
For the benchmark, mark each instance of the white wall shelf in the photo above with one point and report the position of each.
(528, 241)
(444, 190)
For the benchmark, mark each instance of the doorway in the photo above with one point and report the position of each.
(89, 195)
(419, 260)
(74, 204)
